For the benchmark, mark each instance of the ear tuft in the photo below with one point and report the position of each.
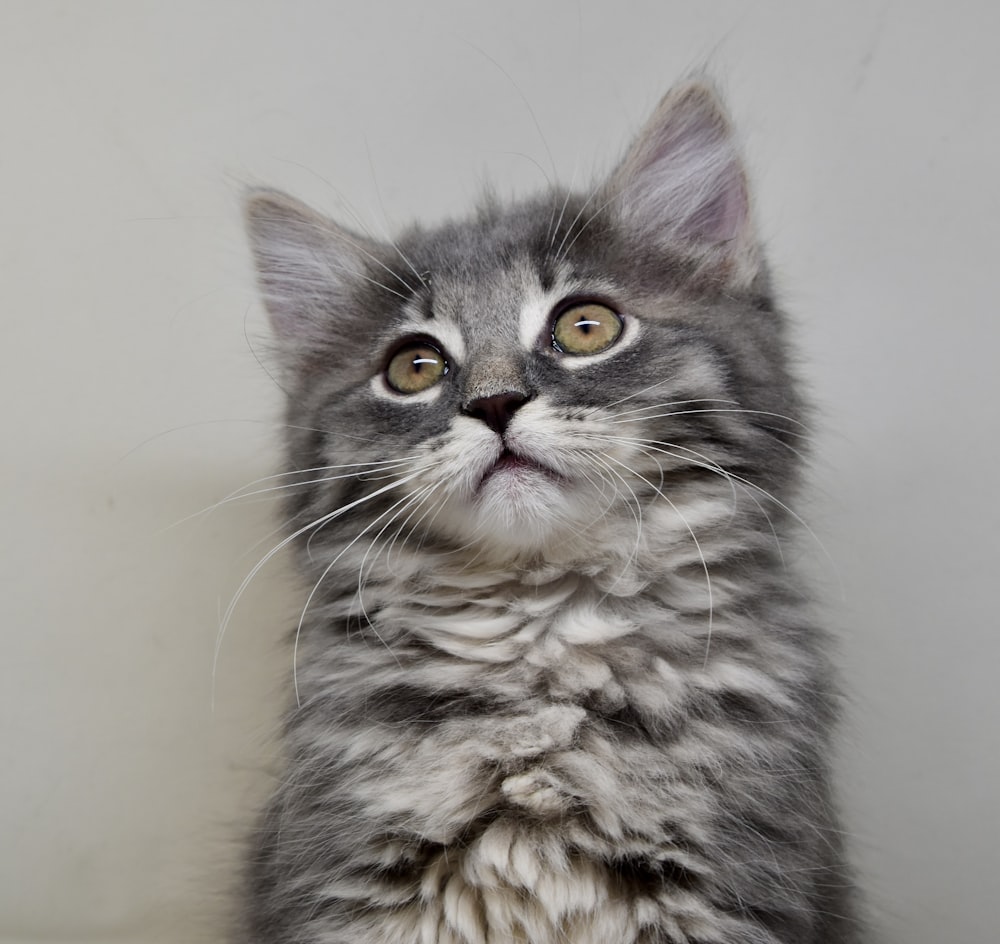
(682, 185)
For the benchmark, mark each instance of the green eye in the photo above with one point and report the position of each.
(415, 367)
(586, 329)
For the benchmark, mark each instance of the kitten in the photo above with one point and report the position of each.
(555, 680)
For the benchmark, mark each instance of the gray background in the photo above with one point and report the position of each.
(131, 398)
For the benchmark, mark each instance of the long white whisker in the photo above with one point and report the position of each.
(323, 519)
(692, 412)
(593, 216)
(655, 445)
(322, 525)
(396, 536)
(639, 392)
(322, 577)
(650, 445)
(361, 224)
(241, 494)
(697, 544)
(385, 217)
(380, 467)
(636, 514)
(787, 510)
(415, 500)
(527, 105)
(602, 485)
(559, 252)
(733, 477)
(660, 406)
(367, 278)
(554, 223)
(340, 433)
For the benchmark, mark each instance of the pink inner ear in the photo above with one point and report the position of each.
(683, 179)
(723, 215)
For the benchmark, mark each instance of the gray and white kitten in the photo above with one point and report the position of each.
(556, 682)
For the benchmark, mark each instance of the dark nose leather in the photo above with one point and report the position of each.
(497, 410)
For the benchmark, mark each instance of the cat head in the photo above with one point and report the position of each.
(539, 378)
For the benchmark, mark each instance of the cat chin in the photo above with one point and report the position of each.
(516, 509)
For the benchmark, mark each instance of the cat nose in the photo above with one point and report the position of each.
(496, 411)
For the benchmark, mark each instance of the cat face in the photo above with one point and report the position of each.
(535, 380)
(505, 385)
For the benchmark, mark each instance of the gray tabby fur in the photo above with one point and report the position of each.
(588, 704)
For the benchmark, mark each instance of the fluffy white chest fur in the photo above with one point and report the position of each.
(507, 888)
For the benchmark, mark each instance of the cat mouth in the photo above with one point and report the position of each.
(517, 465)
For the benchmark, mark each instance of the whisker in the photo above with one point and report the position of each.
(441, 503)
(784, 507)
(319, 582)
(779, 416)
(563, 254)
(639, 392)
(416, 499)
(361, 224)
(240, 494)
(424, 468)
(376, 466)
(386, 239)
(527, 105)
(636, 514)
(646, 445)
(560, 255)
(344, 270)
(554, 226)
(708, 464)
(660, 406)
(323, 519)
(777, 501)
(343, 434)
(697, 544)
(553, 222)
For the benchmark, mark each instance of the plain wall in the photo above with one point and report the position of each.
(135, 742)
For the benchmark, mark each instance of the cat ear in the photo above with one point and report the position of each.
(308, 269)
(682, 185)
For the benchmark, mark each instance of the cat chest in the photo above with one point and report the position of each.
(518, 883)
(510, 626)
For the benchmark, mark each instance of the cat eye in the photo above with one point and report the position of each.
(588, 328)
(415, 366)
